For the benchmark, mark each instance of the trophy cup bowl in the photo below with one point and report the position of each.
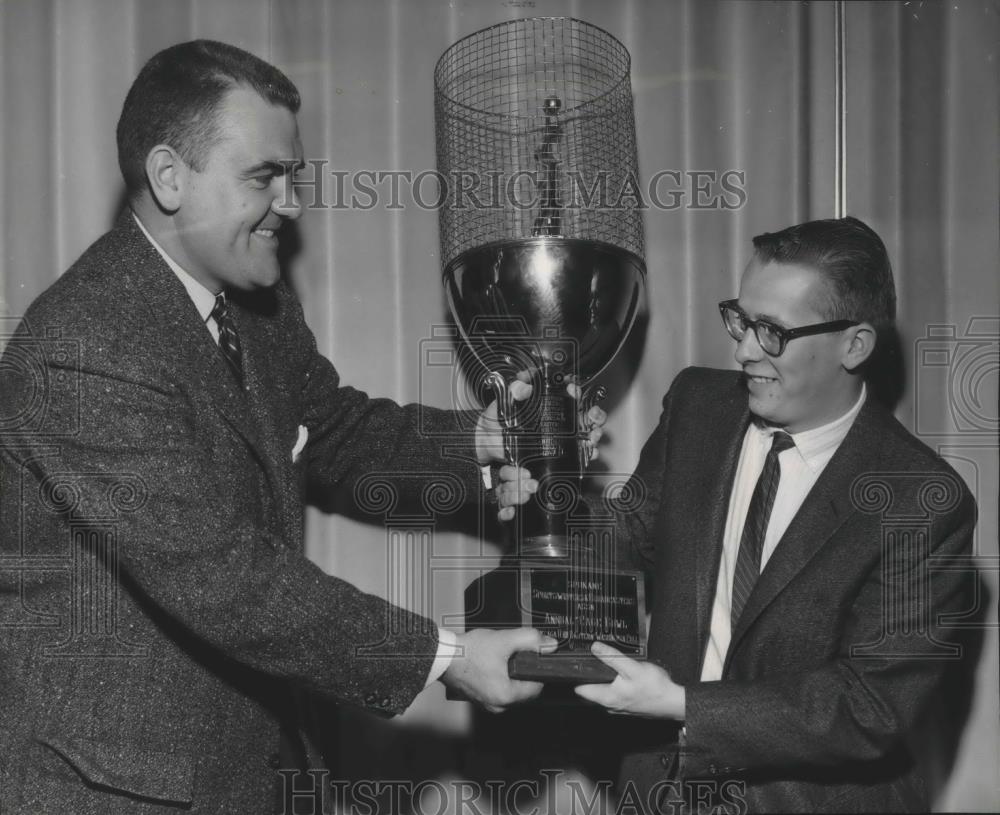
(557, 310)
(543, 272)
(589, 292)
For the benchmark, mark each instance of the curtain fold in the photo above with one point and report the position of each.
(742, 91)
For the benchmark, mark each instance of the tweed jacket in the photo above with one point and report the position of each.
(156, 609)
(842, 643)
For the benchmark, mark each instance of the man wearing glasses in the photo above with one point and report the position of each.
(794, 644)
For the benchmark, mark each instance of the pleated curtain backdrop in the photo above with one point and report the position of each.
(741, 93)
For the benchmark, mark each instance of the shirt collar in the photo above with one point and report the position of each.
(203, 299)
(817, 445)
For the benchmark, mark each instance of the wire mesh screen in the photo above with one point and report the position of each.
(536, 137)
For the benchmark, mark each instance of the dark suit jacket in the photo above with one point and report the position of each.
(156, 608)
(843, 641)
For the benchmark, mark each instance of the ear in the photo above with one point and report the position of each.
(166, 174)
(860, 344)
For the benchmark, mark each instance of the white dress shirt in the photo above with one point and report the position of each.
(204, 302)
(203, 299)
(800, 468)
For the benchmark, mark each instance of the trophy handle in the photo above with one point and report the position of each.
(591, 396)
(505, 413)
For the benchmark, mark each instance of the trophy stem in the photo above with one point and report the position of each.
(546, 443)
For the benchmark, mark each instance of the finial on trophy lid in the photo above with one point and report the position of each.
(550, 282)
(549, 220)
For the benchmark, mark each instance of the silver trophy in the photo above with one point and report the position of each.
(541, 246)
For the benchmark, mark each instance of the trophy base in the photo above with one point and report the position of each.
(573, 606)
(564, 666)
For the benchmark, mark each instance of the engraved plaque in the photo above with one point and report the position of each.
(579, 606)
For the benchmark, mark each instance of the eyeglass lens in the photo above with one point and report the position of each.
(737, 323)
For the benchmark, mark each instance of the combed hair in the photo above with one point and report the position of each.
(850, 256)
(176, 97)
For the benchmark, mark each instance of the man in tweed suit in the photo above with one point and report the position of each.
(794, 649)
(163, 407)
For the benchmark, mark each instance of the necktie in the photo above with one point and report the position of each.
(755, 528)
(229, 340)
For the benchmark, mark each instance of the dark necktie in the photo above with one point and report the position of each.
(755, 528)
(229, 340)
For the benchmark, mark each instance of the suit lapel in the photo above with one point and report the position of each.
(714, 494)
(189, 351)
(263, 401)
(826, 507)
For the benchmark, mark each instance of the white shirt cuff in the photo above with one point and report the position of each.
(448, 649)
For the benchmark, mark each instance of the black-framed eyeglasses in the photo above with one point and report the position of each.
(772, 338)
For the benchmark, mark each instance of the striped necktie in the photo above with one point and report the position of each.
(229, 340)
(755, 528)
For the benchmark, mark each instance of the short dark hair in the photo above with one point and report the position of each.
(850, 255)
(176, 97)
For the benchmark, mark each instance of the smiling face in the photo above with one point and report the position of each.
(225, 227)
(811, 383)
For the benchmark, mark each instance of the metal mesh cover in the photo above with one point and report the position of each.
(536, 136)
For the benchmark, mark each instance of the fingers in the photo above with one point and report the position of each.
(610, 695)
(593, 420)
(640, 689)
(479, 671)
(526, 639)
(520, 390)
(592, 423)
(598, 694)
(516, 487)
(605, 652)
(519, 691)
(512, 493)
(596, 416)
(531, 639)
(613, 658)
(511, 472)
(489, 436)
